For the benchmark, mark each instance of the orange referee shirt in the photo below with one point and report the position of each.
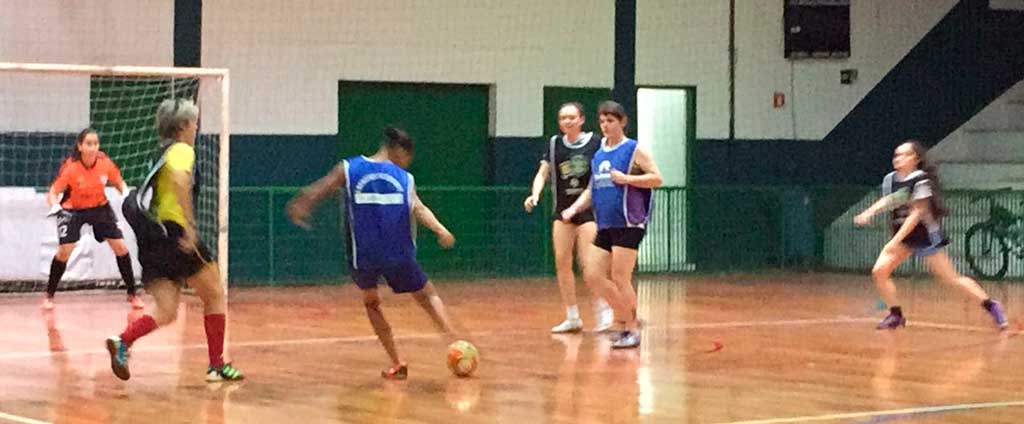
(83, 186)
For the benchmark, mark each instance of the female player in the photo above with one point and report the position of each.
(82, 179)
(913, 193)
(567, 163)
(381, 201)
(169, 262)
(620, 190)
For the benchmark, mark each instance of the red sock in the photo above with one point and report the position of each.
(215, 338)
(137, 329)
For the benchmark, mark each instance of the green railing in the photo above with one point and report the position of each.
(495, 237)
(705, 229)
(747, 228)
(266, 248)
(998, 237)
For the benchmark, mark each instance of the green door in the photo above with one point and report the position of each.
(448, 122)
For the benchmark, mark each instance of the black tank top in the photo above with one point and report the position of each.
(891, 185)
(570, 167)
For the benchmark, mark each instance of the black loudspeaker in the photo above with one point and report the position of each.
(817, 29)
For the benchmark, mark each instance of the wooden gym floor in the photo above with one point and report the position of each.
(765, 348)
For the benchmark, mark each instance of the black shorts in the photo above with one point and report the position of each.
(579, 219)
(101, 218)
(628, 238)
(162, 258)
(923, 242)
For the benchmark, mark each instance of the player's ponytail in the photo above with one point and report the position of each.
(394, 137)
(931, 170)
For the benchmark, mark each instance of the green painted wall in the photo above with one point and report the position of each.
(449, 123)
(591, 98)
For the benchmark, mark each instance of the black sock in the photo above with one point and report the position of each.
(57, 268)
(987, 304)
(896, 310)
(124, 264)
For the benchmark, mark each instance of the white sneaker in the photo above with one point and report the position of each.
(605, 320)
(568, 326)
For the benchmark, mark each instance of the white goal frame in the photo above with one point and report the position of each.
(220, 74)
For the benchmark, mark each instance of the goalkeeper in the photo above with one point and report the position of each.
(82, 179)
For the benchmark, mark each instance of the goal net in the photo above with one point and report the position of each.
(42, 109)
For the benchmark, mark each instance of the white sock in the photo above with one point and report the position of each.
(601, 305)
(572, 312)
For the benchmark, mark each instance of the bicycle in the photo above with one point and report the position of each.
(990, 242)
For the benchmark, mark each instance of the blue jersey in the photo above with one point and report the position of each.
(617, 206)
(379, 205)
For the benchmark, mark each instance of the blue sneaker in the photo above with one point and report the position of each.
(892, 322)
(628, 340)
(996, 310)
(118, 357)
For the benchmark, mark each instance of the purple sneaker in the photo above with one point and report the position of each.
(996, 310)
(892, 322)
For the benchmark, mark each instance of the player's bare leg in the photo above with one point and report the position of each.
(887, 261)
(563, 239)
(430, 301)
(585, 235)
(371, 300)
(623, 261)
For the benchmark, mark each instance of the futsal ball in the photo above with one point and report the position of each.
(462, 358)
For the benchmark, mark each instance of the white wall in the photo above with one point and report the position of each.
(1003, 114)
(109, 32)
(287, 57)
(685, 42)
(30, 241)
(986, 152)
(124, 32)
(661, 127)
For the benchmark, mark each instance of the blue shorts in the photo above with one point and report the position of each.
(404, 277)
(924, 243)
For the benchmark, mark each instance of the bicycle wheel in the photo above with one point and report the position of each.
(987, 253)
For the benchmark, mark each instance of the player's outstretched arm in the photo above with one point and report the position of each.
(302, 204)
(886, 203)
(115, 180)
(426, 217)
(58, 187)
(53, 196)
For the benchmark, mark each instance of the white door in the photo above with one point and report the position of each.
(662, 127)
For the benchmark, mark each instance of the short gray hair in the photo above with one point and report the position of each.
(172, 115)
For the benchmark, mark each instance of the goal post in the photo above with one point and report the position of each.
(42, 108)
